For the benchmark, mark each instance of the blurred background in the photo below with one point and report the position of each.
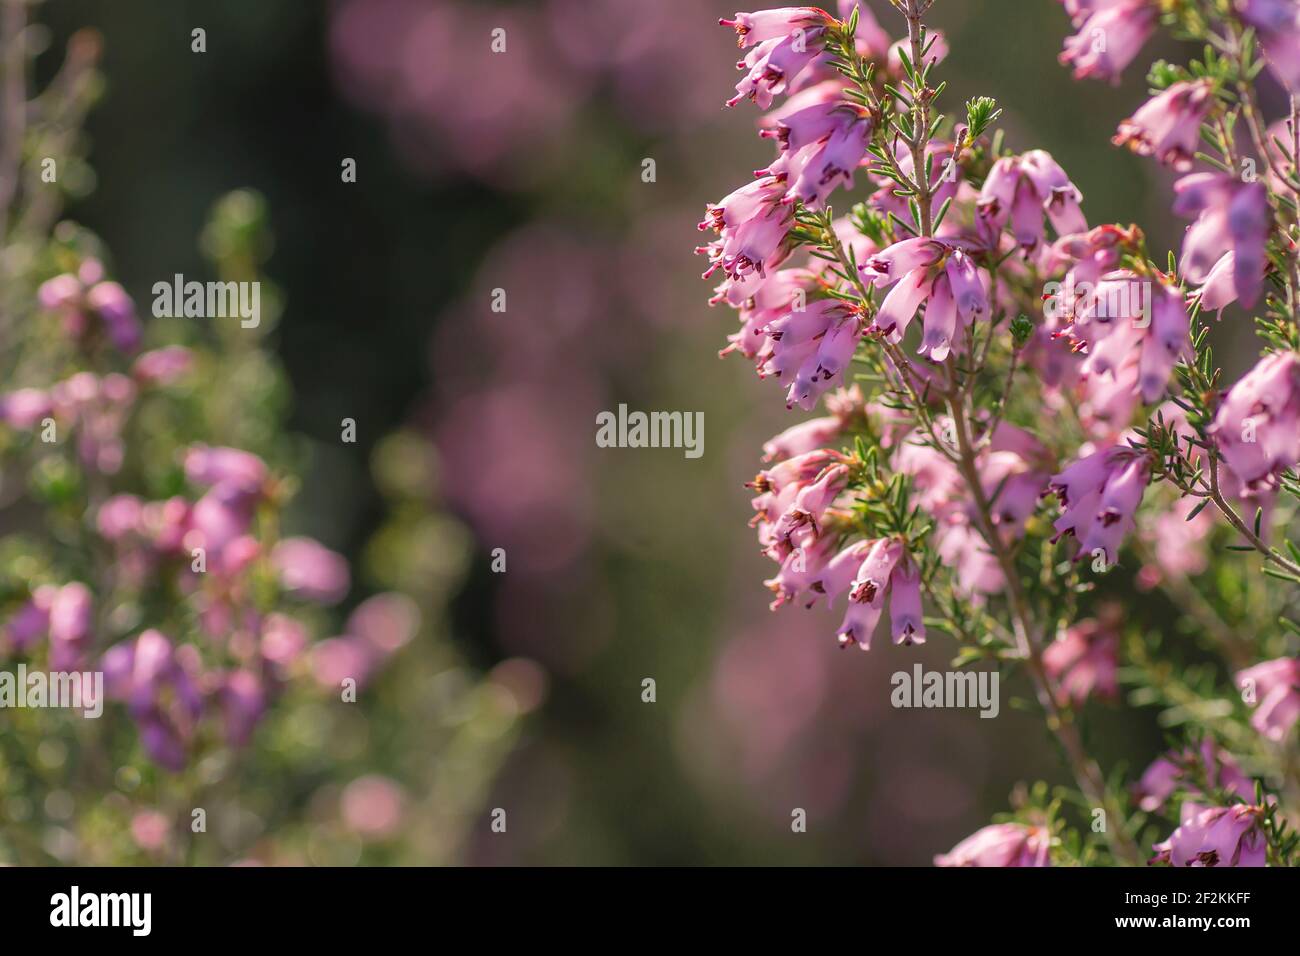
(522, 171)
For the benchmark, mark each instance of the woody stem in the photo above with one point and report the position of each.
(1087, 773)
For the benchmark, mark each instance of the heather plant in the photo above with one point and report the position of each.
(1025, 422)
(178, 680)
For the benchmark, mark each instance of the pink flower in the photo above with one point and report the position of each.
(907, 623)
(871, 36)
(160, 687)
(811, 349)
(31, 621)
(282, 643)
(241, 697)
(86, 294)
(1082, 662)
(1021, 190)
(372, 807)
(1179, 544)
(1219, 290)
(119, 516)
(893, 263)
(936, 51)
(1280, 157)
(1218, 836)
(1168, 340)
(231, 467)
(310, 570)
(777, 488)
(823, 138)
(867, 593)
(163, 366)
(1278, 23)
(795, 498)
(71, 617)
(1168, 126)
(931, 271)
(219, 519)
(760, 301)
(379, 627)
(940, 325)
(1099, 495)
(97, 408)
(1089, 256)
(337, 659)
(386, 622)
(807, 510)
(1013, 473)
(793, 39)
(149, 829)
(753, 225)
(164, 523)
(1276, 687)
(25, 407)
(804, 437)
(1257, 428)
(1000, 844)
(1185, 770)
(1111, 33)
(752, 28)
(1128, 320)
(110, 301)
(1012, 486)
(1231, 216)
(60, 292)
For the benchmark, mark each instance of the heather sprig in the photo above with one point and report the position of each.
(970, 296)
(153, 559)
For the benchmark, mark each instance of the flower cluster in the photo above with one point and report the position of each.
(1015, 355)
(209, 548)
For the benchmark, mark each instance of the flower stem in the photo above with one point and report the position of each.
(1087, 773)
(1245, 530)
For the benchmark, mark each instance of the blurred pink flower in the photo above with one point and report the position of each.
(163, 366)
(282, 643)
(1257, 428)
(1000, 844)
(31, 621)
(1168, 126)
(1099, 495)
(1110, 35)
(379, 627)
(71, 618)
(241, 698)
(1083, 662)
(25, 407)
(1021, 190)
(372, 807)
(1278, 23)
(311, 571)
(1276, 689)
(149, 829)
(78, 298)
(161, 687)
(451, 100)
(1185, 769)
(1231, 217)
